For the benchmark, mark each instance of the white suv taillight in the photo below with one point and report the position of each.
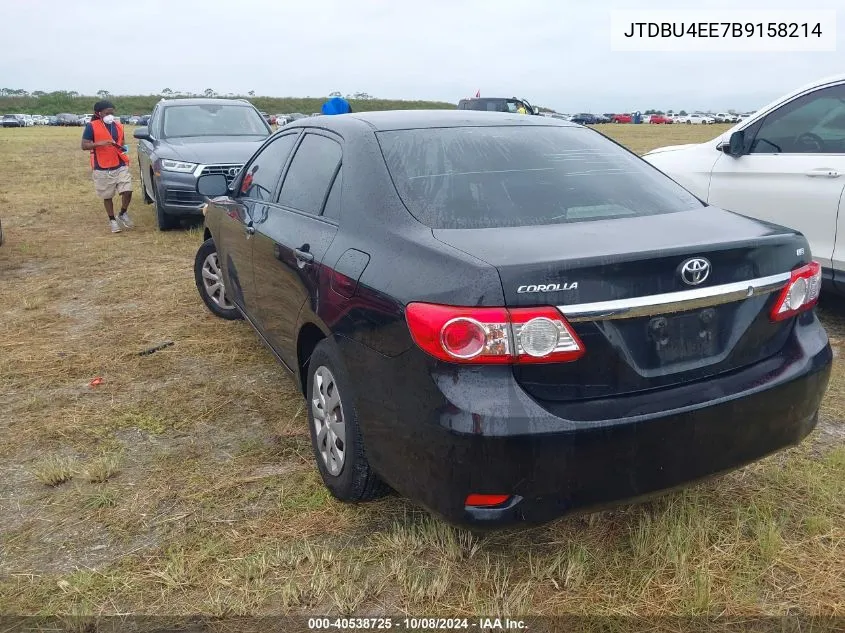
(800, 294)
(493, 335)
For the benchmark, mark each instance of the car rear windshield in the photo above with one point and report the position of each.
(213, 120)
(489, 105)
(484, 177)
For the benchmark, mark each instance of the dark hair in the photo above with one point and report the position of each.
(102, 105)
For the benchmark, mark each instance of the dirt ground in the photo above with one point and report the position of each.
(184, 482)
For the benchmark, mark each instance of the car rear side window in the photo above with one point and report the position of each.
(263, 173)
(332, 208)
(484, 177)
(310, 174)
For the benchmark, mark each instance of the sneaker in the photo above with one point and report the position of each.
(125, 221)
(115, 227)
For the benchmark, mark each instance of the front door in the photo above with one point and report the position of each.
(292, 238)
(793, 170)
(256, 187)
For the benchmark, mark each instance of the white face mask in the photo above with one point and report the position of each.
(108, 119)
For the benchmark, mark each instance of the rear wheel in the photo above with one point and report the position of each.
(209, 280)
(335, 435)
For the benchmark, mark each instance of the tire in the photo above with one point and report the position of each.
(164, 221)
(350, 478)
(147, 199)
(207, 275)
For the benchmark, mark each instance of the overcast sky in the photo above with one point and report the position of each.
(555, 53)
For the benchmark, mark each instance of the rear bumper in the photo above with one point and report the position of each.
(437, 433)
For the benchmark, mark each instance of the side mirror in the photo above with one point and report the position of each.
(143, 134)
(736, 144)
(212, 185)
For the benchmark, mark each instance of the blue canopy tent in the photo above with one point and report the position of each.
(336, 105)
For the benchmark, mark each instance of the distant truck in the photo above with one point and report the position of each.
(497, 104)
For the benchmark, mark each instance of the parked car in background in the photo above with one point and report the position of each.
(497, 104)
(282, 119)
(785, 164)
(187, 138)
(144, 119)
(723, 117)
(583, 118)
(480, 324)
(270, 118)
(603, 118)
(65, 118)
(622, 118)
(660, 119)
(296, 116)
(12, 120)
(53, 120)
(695, 119)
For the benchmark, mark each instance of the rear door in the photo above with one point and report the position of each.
(255, 188)
(793, 171)
(292, 235)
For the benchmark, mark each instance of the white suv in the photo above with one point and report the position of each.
(696, 118)
(784, 164)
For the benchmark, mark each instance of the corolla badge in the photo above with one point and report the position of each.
(695, 271)
(548, 287)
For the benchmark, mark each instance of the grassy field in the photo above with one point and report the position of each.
(184, 482)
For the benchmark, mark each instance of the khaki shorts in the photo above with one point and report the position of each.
(108, 183)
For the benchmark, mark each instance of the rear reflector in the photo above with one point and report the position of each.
(800, 294)
(460, 334)
(486, 501)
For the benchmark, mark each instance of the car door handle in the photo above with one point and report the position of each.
(822, 172)
(303, 256)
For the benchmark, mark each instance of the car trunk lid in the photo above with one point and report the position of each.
(621, 285)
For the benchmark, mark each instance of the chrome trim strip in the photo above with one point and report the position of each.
(673, 301)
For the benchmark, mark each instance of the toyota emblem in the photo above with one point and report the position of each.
(695, 270)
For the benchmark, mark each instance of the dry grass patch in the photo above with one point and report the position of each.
(102, 468)
(54, 470)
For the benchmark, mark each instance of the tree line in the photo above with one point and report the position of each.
(40, 102)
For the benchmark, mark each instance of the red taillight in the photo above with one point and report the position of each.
(800, 294)
(493, 335)
(486, 501)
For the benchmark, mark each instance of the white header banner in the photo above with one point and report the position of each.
(719, 31)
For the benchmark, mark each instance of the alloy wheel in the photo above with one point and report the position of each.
(212, 281)
(329, 423)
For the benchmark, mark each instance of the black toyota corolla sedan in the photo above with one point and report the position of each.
(510, 318)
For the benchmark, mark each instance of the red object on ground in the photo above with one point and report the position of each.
(96, 382)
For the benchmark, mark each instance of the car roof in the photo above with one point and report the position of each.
(386, 120)
(203, 101)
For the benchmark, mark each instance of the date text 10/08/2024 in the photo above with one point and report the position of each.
(421, 624)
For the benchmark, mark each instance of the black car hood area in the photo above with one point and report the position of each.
(210, 149)
(619, 258)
